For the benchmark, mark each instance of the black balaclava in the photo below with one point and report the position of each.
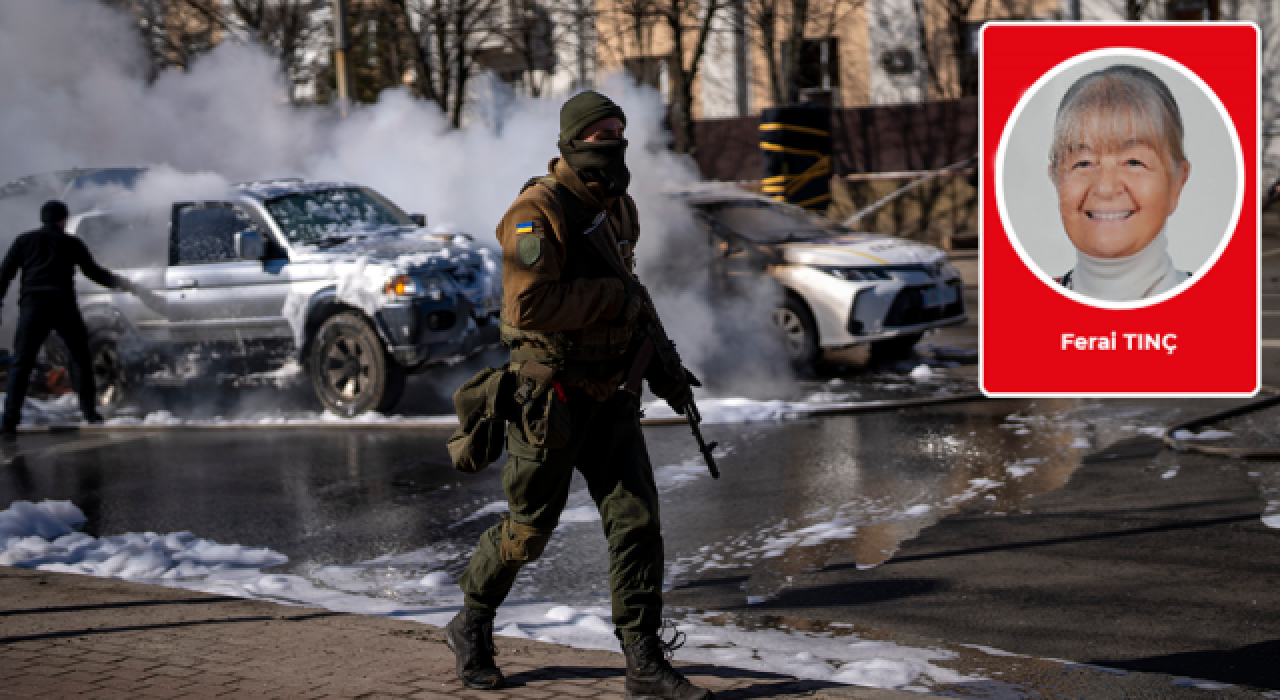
(601, 162)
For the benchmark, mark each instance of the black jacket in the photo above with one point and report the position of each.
(48, 258)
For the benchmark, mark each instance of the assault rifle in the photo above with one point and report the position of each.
(656, 340)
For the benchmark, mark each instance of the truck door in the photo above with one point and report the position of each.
(210, 295)
(132, 244)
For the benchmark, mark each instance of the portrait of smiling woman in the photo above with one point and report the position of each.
(1117, 215)
(1119, 168)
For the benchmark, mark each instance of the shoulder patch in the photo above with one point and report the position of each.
(529, 249)
(524, 227)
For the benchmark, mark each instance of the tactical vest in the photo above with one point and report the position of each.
(601, 341)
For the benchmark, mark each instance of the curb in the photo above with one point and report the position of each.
(451, 422)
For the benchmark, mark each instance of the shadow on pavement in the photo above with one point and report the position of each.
(765, 684)
(1257, 665)
(124, 604)
(61, 634)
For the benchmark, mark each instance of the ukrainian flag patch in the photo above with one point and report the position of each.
(524, 227)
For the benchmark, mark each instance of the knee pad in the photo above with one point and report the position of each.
(521, 543)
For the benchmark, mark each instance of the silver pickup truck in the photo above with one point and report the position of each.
(284, 281)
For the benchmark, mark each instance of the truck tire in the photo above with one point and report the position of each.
(350, 370)
(894, 348)
(799, 333)
(110, 376)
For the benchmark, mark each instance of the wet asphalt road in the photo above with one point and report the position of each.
(1121, 566)
(1050, 528)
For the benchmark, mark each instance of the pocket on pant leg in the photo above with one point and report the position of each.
(519, 446)
(522, 543)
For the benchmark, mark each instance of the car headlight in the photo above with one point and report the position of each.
(856, 274)
(406, 286)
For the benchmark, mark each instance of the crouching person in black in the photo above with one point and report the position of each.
(48, 258)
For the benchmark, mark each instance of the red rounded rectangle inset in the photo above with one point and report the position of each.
(1119, 209)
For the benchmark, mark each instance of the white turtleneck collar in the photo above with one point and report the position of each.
(1145, 274)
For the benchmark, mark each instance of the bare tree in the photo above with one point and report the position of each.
(946, 34)
(768, 21)
(286, 28)
(172, 35)
(686, 25)
(453, 32)
(529, 36)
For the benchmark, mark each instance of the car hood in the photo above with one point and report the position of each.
(860, 250)
(405, 252)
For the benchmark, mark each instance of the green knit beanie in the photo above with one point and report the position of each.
(583, 110)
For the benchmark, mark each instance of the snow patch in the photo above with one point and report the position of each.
(1023, 467)
(384, 586)
(921, 372)
(1272, 517)
(41, 536)
(1202, 435)
(436, 579)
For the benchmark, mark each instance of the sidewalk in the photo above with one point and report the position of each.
(64, 635)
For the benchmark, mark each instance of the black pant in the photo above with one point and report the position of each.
(36, 319)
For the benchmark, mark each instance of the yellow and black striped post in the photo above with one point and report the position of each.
(796, 145)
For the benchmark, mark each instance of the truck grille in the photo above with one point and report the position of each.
(909, 309)
(464, 276)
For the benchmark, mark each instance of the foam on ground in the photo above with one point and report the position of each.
(43, 536)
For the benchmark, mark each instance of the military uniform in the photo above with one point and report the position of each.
(573, 325)
(564, 308)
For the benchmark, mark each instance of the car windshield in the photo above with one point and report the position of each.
(770, 222)
(338, 213)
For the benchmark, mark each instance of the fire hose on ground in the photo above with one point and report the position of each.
(1217, 450)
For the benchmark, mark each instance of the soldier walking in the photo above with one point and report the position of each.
(48, 258)
(564, 308)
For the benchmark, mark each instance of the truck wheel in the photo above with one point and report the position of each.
(799, 333)
(894, 348)
(110, 377)
(350, 370)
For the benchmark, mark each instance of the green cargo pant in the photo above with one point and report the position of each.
(607, 447)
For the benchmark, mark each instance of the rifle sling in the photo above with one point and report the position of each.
(601, 237)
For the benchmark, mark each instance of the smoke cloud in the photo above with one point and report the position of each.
(73, 94)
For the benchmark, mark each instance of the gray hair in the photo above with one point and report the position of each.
(1108, 107)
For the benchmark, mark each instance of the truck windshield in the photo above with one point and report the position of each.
(319, 215)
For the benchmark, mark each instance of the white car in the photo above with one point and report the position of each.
(841, 288)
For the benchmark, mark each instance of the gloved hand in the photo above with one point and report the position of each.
(679, 394)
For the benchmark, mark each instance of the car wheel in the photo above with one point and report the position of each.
(350, 370)
(110, 377)
(799, 332)
(894, 348)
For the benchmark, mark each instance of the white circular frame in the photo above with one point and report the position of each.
(1002, 150)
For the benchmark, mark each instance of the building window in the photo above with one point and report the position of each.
(899, 61)
(818, 76)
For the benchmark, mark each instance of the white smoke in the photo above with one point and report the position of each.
(73, 94)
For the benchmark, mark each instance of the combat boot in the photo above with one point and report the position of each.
(651, 677)
(470, 637)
